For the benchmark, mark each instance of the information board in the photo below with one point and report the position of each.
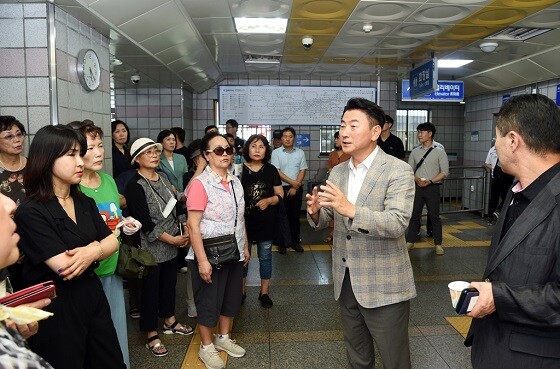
(287, 105)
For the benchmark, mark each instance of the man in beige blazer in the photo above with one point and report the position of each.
(370, 198)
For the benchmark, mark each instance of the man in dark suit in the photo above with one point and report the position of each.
(517, 315)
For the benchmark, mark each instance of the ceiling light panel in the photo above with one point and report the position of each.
(450, 63)
(261, 25)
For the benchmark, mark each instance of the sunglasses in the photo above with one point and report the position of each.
(220, 150)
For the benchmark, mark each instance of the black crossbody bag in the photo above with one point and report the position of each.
(223, 249)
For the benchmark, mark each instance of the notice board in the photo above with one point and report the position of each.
(287, 105)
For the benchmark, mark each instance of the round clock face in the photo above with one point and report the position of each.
(89, 70)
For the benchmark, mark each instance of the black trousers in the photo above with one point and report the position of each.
(430, 197)
(81, 333)
(498, 192)
(293, 211)
(158, 295)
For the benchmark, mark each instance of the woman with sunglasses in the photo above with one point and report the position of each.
(102, 188)
(64, 238)
(151, 200)
(12, 163)
(263, 191)
(215, 206)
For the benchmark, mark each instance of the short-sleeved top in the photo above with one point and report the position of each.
(106, 196)
(239, 143)
(291, 162)
(334, 159)
(46, 231)
(492, 158)
(217, 198)
(392, 146)
(11, 185)
(436, 162)
(258, 185)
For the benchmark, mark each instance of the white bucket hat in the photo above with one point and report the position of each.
(141, 145)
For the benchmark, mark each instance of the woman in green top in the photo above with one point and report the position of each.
(102, 189)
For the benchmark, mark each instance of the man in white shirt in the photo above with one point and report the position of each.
(370, 199)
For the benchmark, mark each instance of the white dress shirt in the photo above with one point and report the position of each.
(357, 174)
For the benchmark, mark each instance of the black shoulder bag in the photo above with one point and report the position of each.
(422, 160)
(223, 249)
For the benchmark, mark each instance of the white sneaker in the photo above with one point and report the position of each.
(228, 345)
(409, 246)
(211, 358)
(184, 270)
(439, 250)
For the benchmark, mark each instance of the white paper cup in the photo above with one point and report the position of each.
(455, 289)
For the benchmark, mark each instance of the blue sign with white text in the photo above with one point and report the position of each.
(449, 91)
(303, 140)
(558, 95)
(423, 79)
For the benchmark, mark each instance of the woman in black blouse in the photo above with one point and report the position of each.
(121, 153)
(263, 190)
(63, 237)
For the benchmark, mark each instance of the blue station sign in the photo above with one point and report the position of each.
(446, 91)
(423, 79)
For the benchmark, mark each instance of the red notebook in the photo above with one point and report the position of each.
(30, 294)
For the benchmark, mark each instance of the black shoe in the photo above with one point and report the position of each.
(297, 246)
(282, 250)
(265, 300)
(430, 233)
(243, 297)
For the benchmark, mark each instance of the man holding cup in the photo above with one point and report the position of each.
(517, 315)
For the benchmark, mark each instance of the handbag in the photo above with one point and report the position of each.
(134, 262)
(223, 249)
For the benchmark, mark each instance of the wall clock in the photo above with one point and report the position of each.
(89, 70)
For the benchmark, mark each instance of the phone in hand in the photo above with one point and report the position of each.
(30, 294)
(467, 300)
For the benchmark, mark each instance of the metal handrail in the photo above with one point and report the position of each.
(471, 191)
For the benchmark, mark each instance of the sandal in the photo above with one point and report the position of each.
(158, 350)
(134, 313)
(177, 328)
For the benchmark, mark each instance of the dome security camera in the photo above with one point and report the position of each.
(307, 42)
(135, 78)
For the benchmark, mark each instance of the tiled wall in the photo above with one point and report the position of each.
(24, 74)
(74, 102)
(479, 117)
(147, 111)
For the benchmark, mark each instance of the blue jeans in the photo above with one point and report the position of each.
(264, 251)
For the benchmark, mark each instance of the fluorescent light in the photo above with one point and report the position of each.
(262, 60)
(261, 25)
(449, 63)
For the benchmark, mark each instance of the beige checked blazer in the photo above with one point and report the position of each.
(372, 245)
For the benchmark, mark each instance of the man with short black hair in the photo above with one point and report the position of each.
(430, 166)
(370, 199)
(388, 142)
(231, 128)
(292, 167)
(516, 321)
(180, 147)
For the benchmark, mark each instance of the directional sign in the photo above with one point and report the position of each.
(303, 140)
(448, 91)
(423, 79)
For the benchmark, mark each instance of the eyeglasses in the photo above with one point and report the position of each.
(11, 137)
(152, 152)
(220, 150)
